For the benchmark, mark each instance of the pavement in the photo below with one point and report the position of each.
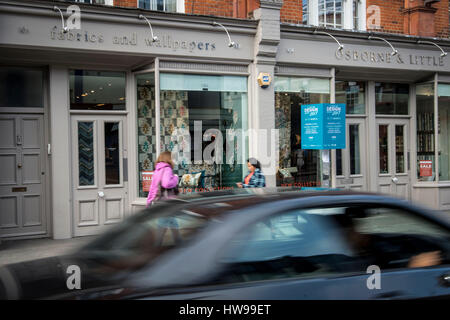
(12, 251)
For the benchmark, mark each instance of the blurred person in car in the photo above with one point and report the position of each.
(380, 251)
(163, 187)
(255, 177)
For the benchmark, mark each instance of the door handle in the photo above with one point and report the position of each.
(444, 280)
(101, 194)
(19, 166)
(395, 180)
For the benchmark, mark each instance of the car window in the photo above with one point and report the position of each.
(141, 239)
(299, 243)
(393, 238)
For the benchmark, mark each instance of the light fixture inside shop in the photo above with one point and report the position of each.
(394, 51)
(154, 38)
(443, 54)
(230, 43)
(330, 35)
(64, 28)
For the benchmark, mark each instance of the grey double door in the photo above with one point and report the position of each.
(22, 176)
(98, 172)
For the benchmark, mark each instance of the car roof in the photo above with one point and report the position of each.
(213, 204)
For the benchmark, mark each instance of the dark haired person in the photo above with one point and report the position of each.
(255, 178)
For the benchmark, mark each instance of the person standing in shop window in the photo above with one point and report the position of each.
(255, 178)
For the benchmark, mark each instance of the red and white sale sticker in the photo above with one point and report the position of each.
(426, 168)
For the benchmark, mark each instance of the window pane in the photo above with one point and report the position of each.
(305, 12)
(86, 153)
(352, 93)
(97, 90)
(425, 132)
(383, 148)
(21, 87)
(397, 237)
(391, 98)
(355, 160)
(299, 243)
(444, 131)
(290, 94)
(399, 149)
(146, 130)
(112, 153)
(355, 14)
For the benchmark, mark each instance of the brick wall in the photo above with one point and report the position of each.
(391, 18)
(219, 8)
(441, 19)
(291, 12)
(126, 3)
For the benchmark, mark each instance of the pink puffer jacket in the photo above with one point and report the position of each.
(163, 175)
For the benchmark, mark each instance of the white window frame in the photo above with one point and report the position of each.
(347, 18)
(179, 4)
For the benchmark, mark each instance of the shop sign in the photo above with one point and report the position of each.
(147, 180)
(323, 126)
(386, 57)
(426, 168)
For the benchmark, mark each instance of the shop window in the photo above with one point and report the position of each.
(444, 131)
(162, 5)
(290, 94)
(352, 93)
(425, 132)
(97, 90)
(355, 157)
(146, 130)
(21, 87)
(391, 98)
(334, 13)
(216, 105)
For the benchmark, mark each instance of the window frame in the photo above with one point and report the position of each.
(179, 4)
(348, 14)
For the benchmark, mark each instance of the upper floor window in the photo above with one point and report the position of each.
(162, 5)
(343, 14)
(330, 13)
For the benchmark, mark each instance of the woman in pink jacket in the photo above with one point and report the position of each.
(163, 177)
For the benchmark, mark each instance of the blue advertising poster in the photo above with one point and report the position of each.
(323, 126)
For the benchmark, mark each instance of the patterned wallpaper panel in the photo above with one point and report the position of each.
(146, 131)
(86, 153)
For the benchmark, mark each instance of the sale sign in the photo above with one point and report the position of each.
(426, 168)
(147, 180)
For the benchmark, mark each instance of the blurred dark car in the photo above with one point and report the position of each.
(254, 244)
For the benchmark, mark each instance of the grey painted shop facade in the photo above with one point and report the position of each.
(110, 99)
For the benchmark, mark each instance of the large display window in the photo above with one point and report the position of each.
(297, 166)
(203, 122)
(213, 108)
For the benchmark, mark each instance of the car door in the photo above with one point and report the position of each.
(303, 254)
(292, 255)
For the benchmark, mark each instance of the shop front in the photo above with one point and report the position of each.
(396, 138)
(86, 113)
